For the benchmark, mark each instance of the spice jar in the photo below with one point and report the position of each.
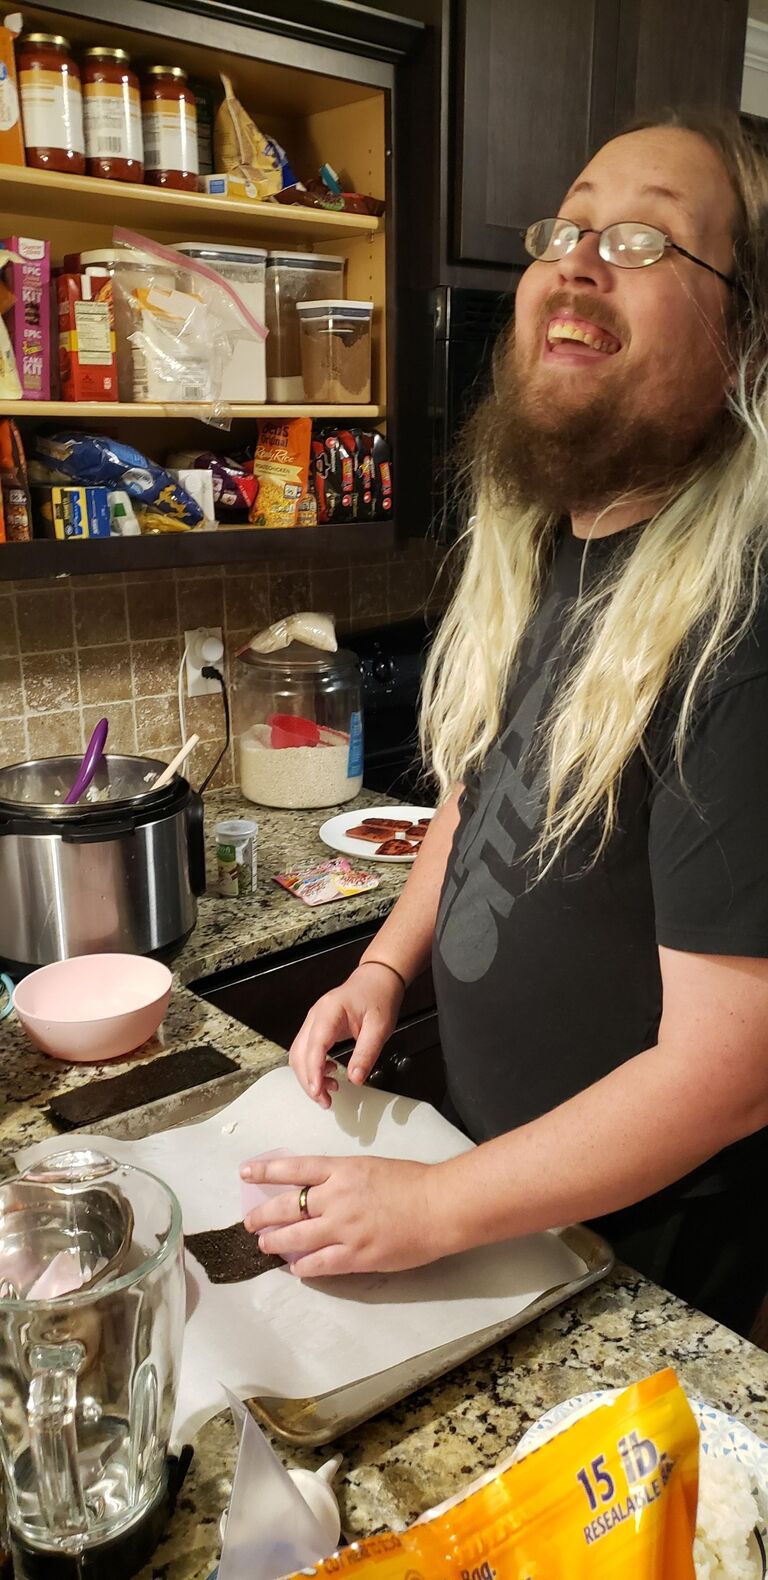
(51, 103)
(299, 726)
(112, 113)
(169, 116)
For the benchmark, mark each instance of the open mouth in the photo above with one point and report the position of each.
(580, 337)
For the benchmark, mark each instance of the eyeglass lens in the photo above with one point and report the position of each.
(628, 245)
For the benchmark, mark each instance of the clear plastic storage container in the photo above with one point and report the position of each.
(293, 277)
(244, 268)
(299, 726)
(336, 351)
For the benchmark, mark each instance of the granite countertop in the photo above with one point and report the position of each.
(228, 933)
(432, 1444)
(231, 932)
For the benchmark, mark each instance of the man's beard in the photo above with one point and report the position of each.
(531, 451)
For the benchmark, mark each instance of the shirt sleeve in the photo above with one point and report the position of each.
(708, 835)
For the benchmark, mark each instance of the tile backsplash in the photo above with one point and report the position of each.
(82, 646)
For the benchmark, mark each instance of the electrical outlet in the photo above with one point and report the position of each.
(203, 646)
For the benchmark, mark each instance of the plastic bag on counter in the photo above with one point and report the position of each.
(94, 460)
(316, 630)
(178, 324)
(610, 1496)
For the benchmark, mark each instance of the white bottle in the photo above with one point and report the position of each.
(122, 516)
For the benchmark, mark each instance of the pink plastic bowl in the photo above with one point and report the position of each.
(93, 1007)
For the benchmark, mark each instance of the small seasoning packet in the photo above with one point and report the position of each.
(323, 881)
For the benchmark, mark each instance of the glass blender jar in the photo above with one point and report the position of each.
(92, 1309)
(299, 726)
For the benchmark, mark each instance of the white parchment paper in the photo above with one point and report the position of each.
(275, 1334)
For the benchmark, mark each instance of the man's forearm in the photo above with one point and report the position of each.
(643, 1126)
(405, 939)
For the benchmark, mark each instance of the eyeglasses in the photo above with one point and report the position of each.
(627, 245)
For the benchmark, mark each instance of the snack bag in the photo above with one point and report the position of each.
(323, 881)
(240, 148)
(281, 464)
(612, 1496)
(101, 462)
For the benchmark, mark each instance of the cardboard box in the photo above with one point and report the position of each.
(29, 320)
(11, 135)
(87, 358)
(71, 512)
(226, 186)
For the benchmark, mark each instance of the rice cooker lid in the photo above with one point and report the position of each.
(299, 658)
(36, 789)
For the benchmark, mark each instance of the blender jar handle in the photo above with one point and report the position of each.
(51, 1408)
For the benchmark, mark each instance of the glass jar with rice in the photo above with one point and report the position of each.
(299, 727)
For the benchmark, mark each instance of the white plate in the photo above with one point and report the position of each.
(720, 1435)
(334, 832)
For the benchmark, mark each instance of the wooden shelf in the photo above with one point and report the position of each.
(192, 215)
(227, 546)
(103, 410)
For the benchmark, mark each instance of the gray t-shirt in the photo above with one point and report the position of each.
(545, 987)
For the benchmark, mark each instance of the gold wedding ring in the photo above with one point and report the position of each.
(303, 1208)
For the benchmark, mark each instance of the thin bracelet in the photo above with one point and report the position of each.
(388, 967)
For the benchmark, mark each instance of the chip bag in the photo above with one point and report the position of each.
(612, 1496)
(281, 464)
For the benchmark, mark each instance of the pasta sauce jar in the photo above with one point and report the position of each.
(169, 115)
(112, 115)
(51, 103)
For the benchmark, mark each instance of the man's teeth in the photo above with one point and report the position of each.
(563, 329)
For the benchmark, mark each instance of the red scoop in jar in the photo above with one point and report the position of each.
(290, 730)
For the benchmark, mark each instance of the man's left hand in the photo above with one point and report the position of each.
(365, 1215)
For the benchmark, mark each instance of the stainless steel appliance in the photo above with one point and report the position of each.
(121, 870)
(466, 325)
(92, 1302)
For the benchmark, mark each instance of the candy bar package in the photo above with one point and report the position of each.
(351, 474)
(28, 277)
(323, 881)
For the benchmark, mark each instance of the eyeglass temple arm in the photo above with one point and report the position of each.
(728, 279)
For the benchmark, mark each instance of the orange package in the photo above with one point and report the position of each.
(281, 464)
(612, 1496)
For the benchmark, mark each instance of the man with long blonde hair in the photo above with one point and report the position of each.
(593, 891)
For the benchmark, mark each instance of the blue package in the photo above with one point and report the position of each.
(96, 460)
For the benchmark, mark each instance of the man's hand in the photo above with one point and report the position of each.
(366, 1215)
(365, 1007)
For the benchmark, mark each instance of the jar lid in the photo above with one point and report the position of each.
(224, 252)
(305, 260)
(45, 38)
(107, 52)
(105, 255)
(335, 308)
(300, 658)
(166, 71)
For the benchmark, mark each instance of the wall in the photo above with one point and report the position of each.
(82, 646)
(754, 88)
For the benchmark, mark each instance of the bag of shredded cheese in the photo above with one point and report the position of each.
(611, 1496)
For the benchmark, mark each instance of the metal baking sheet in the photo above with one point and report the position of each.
(310, 1423)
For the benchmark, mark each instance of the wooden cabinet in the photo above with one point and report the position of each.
(535, 88)
(674, 53)
(539, 84)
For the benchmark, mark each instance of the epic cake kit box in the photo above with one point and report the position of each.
(29, 320)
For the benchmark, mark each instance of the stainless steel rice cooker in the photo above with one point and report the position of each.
(121, 870)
